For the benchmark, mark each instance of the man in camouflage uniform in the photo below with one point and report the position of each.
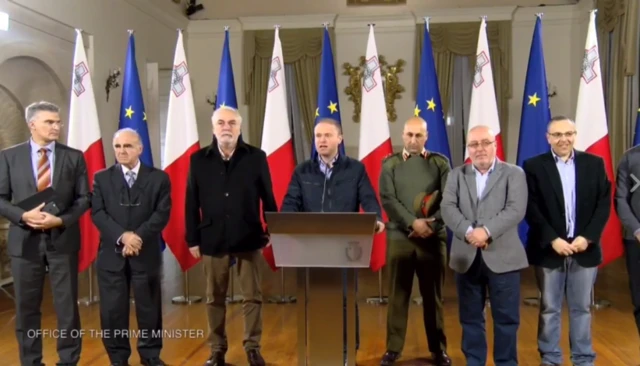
(411, 185)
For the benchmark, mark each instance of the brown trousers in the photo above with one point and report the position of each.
(217, 270)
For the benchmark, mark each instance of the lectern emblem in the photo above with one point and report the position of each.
(354, 251)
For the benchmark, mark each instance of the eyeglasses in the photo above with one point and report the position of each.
(475, 145)
(557, 135)
(125, 199)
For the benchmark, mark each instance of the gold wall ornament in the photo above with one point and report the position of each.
(391, 86)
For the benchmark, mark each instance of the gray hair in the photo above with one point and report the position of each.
(226, 108)
(483, 127)
(129, 130)
(42, 106)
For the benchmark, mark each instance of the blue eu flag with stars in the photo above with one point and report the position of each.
(428, 103)
(132, 113)
(226, 85)
(328, 105)
(636, 136)
(535, 111)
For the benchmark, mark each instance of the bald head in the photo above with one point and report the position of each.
(414, 135)
(127, 146)
(481, 144)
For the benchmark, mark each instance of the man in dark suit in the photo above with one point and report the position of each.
(45, 236)
(569, 205)
(227, 181)
(130, 207)
(482, 204)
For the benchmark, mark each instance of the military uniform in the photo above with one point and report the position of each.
(408, 186)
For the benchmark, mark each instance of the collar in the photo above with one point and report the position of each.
(222, 154)
(214, 148)
(406, 155)
(135, 169)
(333, 161)
(493, 167)
(556, 158)
(35, 147)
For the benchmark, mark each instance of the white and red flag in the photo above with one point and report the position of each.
(484, 108)
(181, 142)
(276, 134)
(375, 139)
(593, 134)
(84, 135)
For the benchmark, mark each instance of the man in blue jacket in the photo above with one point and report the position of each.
(332, 183)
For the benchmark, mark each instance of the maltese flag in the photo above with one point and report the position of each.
(484, 108)
(84, 135)
(375, 139)
(181, 141)
(593, 134)
(276, 134)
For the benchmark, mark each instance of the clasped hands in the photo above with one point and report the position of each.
(40, 220)
(478, 237)
(421, 228)
(564, 248)
(132, 244)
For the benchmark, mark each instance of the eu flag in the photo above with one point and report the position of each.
(328, 104)
(132, 113)
(535, 110)
(226, 85)
(636, 136)
(428, 103)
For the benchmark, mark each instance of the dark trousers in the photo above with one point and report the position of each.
(28, 280)
(504, 295)
(426, 260)
(114, 289)
(632, 256)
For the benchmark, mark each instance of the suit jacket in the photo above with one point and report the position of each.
(144, 209)
(546, 210)
(627, 194)
(500, 210)
(222, 208)
(17, 182)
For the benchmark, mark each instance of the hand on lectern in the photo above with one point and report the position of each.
(379, 227)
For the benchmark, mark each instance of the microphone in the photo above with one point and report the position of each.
(324, 187)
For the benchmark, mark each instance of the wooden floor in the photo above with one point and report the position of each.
(614, 333)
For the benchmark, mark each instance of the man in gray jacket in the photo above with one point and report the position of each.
(482, 204)
(627, 204)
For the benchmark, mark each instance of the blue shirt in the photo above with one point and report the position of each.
(35, 157)
(567, 171)
(325, 168)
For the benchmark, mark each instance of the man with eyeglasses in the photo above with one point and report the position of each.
(46, 236)
(130, 206)
(569, 205)
(483, 203)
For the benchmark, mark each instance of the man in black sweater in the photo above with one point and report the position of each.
(227, 181)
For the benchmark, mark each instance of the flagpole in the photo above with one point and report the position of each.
(282, 299)
(90, 299)
(232, 298)
(378, 300)
(186, 298)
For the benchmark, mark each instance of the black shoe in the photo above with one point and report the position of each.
(441, 358)
(389, 358)
(216, 359)
(120, 364)
(153, 362)
(255, 358)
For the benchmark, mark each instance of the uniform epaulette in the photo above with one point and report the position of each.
(390, 156)
(438, 155)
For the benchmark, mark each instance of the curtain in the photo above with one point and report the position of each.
(301, 144)
(458, 111)
(301, 48)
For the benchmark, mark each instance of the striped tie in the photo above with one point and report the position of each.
(131, 178)
(44, 170)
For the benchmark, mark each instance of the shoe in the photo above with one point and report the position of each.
(389, 358)
(216, 359)
(153, 362)
(441, 358)
(254, 358)
(120, 364)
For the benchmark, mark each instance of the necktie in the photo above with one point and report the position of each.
(131, 178)
(44, 170)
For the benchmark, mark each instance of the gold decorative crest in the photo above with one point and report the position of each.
(391, 86)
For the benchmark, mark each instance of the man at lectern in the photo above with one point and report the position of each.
(227, 181)
(44, 235)
(331, 182)
(411, 183)
(130, 206)
(482, 204)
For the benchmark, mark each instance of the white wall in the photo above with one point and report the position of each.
(564, 36)
(44, 29)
